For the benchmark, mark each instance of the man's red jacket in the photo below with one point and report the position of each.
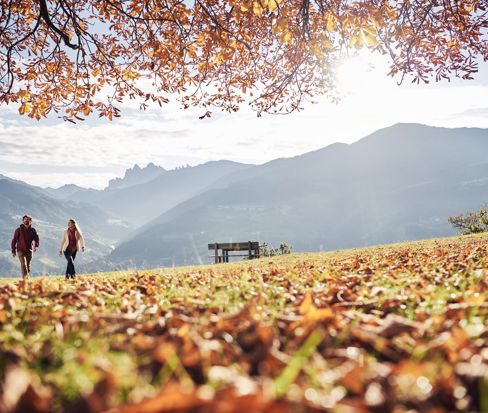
(23, 238)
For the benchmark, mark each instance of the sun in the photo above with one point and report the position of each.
(364, 72)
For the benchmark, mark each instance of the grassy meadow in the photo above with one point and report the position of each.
(398, 328)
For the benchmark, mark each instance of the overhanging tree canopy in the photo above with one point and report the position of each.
(76, 57)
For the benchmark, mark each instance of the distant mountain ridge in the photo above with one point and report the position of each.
(400, 183)
(132, 176)
(64, 191)
(140, 203)
(136, 176)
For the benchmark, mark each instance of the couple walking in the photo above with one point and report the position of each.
(26, 241)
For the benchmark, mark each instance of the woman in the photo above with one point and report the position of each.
(70, 245)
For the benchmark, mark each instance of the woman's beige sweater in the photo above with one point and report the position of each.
(80, 241)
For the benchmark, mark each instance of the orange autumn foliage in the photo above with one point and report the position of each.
(82, 57)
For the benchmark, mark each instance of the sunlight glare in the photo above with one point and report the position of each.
(363, 72)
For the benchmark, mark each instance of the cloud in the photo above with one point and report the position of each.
(475, 112)
(146, 133)
(92, 152)
(11, 146)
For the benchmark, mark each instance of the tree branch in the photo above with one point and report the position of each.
(45, 16)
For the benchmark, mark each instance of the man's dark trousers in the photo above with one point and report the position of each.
(25, 259)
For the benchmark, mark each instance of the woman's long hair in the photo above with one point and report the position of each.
(77, 228)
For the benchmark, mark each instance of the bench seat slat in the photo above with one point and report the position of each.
(234, 246)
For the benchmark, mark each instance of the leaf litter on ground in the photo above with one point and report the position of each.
(398, 328)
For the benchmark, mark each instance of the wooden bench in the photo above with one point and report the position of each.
(252, 248)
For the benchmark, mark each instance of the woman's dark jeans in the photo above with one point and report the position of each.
(70, 269)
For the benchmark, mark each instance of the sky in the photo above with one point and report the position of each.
(52, 153)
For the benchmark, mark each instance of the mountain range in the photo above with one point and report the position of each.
(144, 200)
(399, 183)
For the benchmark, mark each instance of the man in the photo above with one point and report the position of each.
(24, 237)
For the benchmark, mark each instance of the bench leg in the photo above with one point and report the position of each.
(217, 253)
